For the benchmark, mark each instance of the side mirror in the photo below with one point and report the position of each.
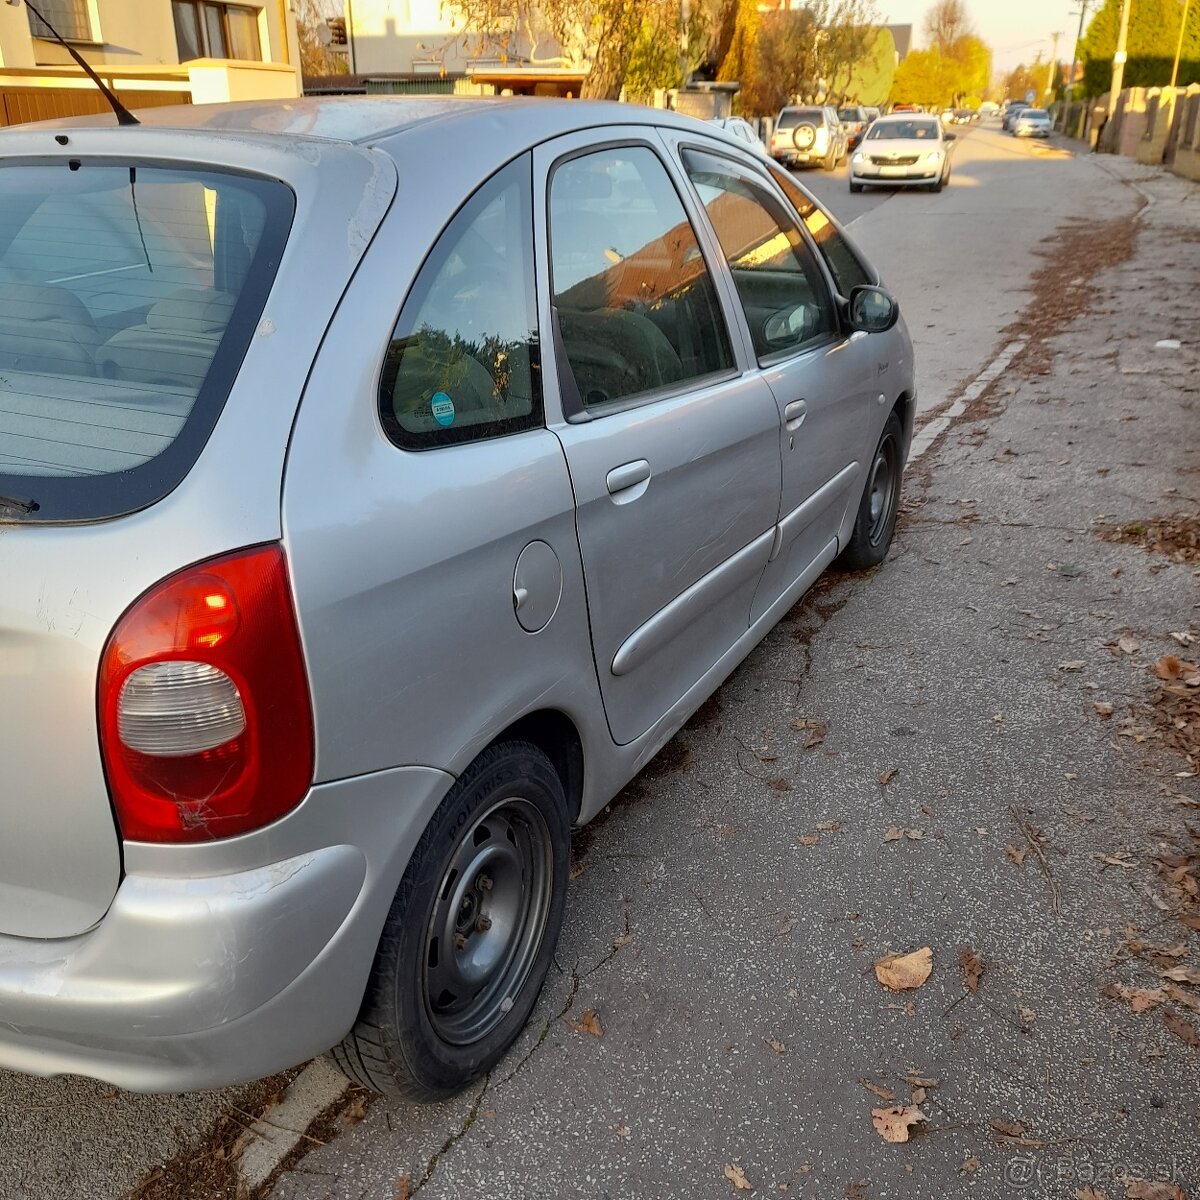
(950, 137)
(872, 310)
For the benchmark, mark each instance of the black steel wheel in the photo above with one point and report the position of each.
(470, 934)
(875, 523)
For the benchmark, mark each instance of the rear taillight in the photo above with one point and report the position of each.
(205, 717)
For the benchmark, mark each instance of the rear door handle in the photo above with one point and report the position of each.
(627, 476)
(794, 414)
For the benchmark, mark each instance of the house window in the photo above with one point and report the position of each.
(71, 18)
(208, 30)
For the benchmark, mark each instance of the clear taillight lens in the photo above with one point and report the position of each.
(177, 708)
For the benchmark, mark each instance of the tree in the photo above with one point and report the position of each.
(1021, 80)
(315, 57)
(1153, 34)
(871, 79)
(944, 79)
(946, 23)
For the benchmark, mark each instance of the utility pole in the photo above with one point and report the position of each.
(1053, 66)
(1179, 44)
(1118, 71)
(1083, 7)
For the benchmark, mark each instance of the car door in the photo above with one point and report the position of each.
(671, 441)
(815, 372)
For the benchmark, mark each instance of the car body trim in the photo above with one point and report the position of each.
(669, 621)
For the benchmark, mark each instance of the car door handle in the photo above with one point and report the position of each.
(794, 414)
(628, 475)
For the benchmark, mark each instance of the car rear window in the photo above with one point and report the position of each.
(128, 296)
(791, 117)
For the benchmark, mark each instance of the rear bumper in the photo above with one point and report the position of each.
(798, 157)
(200, 978)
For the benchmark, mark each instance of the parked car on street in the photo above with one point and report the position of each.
(903, 151)
(804, 135)
(741, 129)
(854, 121)
(371, 515)
(1032, 122)
(1014, 110)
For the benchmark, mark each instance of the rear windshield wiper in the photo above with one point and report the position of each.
(21, 506)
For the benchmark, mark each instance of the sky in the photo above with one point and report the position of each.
(1015, 29)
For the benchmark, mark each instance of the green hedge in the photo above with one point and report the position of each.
(1139, 72)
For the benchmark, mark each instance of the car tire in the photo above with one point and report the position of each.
(855, 187)
(875, 522)
(470, 934)
(941, 183)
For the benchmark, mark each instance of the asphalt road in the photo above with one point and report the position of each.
(730, 961)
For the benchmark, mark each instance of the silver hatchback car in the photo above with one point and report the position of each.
(369, 515)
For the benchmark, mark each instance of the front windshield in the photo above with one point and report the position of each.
(1037, 114)
(903, 129)
(849, 114)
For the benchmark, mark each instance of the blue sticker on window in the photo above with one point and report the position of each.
(442, 408)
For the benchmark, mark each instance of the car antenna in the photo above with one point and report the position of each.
(124, 116)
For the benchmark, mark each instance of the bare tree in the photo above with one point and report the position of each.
(316, 58)
(946, 23)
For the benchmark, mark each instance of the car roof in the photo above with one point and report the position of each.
(891, 118)
(358, 120)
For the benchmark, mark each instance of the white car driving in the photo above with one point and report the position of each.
(905, 150)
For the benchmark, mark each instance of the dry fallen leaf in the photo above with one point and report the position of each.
(1143, 1189)
(1185, 1031)
(921, 1082)
(1182, 975)
(1114, 860)
(876, 1090)
(888, 776)
(971, 962)
(901, 972)
(1139, 999)
(737, 1177)
(1008, 1128)
(970, 1166)
(893, 1124)
(622, 1131)
(1105, 710)
(1168, 667)
(816, 735)
(918, 1096)
(896, 833)
(356, 1111)
(1186, 999)
(1090, 1193)
(403, 1187)
(778, 1047)
(576, 868)
(1027, 1015)
(809, 839)
(588, 1023)
(1128, 645)
(779, 785)
(1016, 853)
(1074, 664)
(829, 826)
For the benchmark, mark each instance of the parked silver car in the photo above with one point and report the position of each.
(370, 515)
(1032, 122)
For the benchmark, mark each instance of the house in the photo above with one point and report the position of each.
(421, 46)
(148, 52)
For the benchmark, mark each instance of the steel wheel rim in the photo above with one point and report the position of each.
(487, 922)
(881, 489)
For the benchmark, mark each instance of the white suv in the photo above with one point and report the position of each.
(806, 135)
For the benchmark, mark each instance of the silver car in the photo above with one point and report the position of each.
(369, 515)
(1032, 122)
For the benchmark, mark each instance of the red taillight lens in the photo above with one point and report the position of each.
(205, 717)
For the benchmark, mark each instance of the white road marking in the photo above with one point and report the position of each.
(272, 1138)
(932, 430)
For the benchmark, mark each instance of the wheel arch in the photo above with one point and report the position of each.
(555, 734)
(906, 409)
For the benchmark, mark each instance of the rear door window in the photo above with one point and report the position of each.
(636, 306)
(128, 296)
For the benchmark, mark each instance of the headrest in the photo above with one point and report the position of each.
(22, 302)
(191, 311)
